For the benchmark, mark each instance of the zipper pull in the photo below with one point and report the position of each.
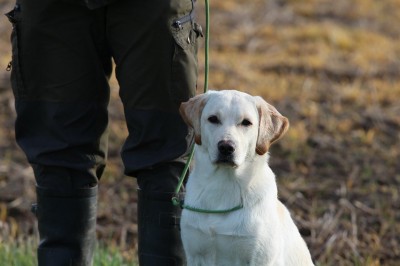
(9, 66)
(183, 20)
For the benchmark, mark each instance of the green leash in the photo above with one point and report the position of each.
(207, 46)
(175, 199)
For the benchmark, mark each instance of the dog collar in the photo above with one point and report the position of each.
(177, 202)
(194, 209)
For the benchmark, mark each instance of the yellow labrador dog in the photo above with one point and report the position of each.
(232, 215)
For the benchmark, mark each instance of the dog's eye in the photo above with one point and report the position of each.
(213, 119)
(246, 123)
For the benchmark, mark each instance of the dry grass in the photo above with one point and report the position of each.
(333, 68)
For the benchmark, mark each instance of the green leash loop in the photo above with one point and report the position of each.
(175, 199)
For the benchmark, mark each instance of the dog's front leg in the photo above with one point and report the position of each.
(198, 246)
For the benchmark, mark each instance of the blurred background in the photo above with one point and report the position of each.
(332, 67)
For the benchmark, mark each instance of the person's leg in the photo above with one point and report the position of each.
(156, 67)
(59, 76)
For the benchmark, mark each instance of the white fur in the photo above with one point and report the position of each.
(262, 232)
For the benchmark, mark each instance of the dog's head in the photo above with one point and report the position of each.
(233, 126)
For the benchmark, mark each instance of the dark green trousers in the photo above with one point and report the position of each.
(61, 64)
(62, 52)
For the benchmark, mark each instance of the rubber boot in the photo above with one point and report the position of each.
(159, 230)
(67, 226)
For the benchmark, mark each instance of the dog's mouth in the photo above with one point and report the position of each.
(226, 160)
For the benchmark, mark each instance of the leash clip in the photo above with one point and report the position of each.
(176, 201)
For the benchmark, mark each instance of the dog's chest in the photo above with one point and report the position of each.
(223, 241)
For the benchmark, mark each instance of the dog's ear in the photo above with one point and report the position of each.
(191, 114)
(272, 125)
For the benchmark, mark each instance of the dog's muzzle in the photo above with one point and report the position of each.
(226, 150)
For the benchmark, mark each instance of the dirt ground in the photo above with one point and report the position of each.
(332, 67)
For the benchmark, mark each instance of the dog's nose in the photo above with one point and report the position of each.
(226, 147)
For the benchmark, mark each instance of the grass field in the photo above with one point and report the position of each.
(23, 253)
(333, 68)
